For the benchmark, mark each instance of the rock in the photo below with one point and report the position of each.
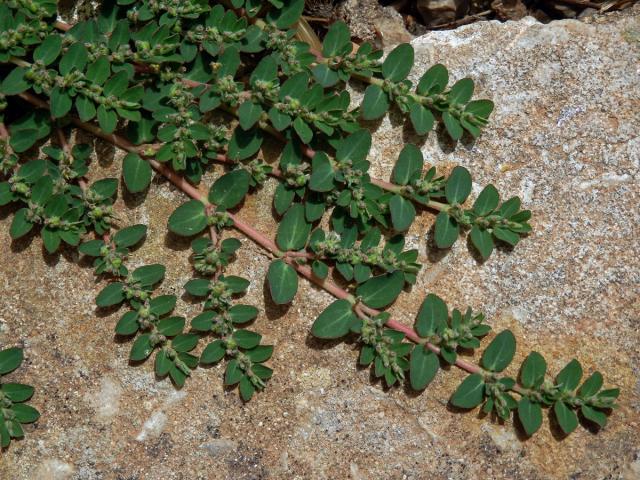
(437, 12)
(371, 22)
(564, 137)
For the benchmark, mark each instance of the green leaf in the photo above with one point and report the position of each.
(188, 219)
(233, 374)
(423, 367)
(246, 338)
(141, 348)
(287, 15)
(482, 240)
(136, 173)
(421, 118)
(458, 185)
(375, 103)
(261, 353)
(15, 83)
(432, 317)
(487, 201)
(434, 80)
(162, 364)
(452, 124)
(25, 413)
(402, 213)
(480, 108)
(283, 282)
(569, 377)
(229, 190)
(322, 173)
(335, 321)
(171, 326)
(324, 75)
(293, 230)
(60, 102)
(246, 388)
(500, 352)
(337, 41)
(20, 226)
(48, 50)
(162, 305)
(567, 418)
(128, 324)
(244, 143)
(112, 294)
(533, 370)
(398, 63)
(409, 165)
(10, 359)
(213, 353)
(129, 236)
(248, 114)
(470, 392)
(148, 275)
(243, 313)
(107, 119)
(381, 291)
(595, 416)
(591, 386)
(530, 415)
(17, 392)
(185, 342)
(75, 58)
(446, 230)
(461, 91)
(355, 147)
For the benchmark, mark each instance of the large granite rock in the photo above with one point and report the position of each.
(564, 137)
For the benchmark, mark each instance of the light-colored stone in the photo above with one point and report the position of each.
(564, 136)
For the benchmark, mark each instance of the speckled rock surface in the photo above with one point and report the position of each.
(564, 137)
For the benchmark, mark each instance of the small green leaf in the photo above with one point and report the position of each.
(15, 83)
(129, 236)
(17, 392)
(10, 359)
(248, 114)
(434, 80)
(112, 294)
(398, 63)
(148, 275)
(482, 240)
(500, 352)
(487, 201)
(60, 102)
(452, 124)
(136, 173)
(423, 367)
(322, 173)
(141, 348)
(243, 313)
(375, 103)
(409, 165)
(470, 392)
(286, 15)
(458, 185)
(432, 317)
(185, 342)
(446, 230)
(354, 147)
(335, 321)
(402, 213)
(283, 282)
(171, 326)
(421, 118)
(530, 415)
(213, 353)
(533, 370)
(294, 229)
(244, 143)
(595, 416)
(25, 413)
(591, 386)
(128, 324)
(567, 418)
(381, 291)
(48, 50)
(246, 338)
(188, 219)
(229, 190)
(162, 364)
(233, 374)
(569, 377)
(337, 41)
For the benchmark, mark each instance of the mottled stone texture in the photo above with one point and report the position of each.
(564, 137)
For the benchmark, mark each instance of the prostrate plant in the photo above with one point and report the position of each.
(13, 411)
(160, 79)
